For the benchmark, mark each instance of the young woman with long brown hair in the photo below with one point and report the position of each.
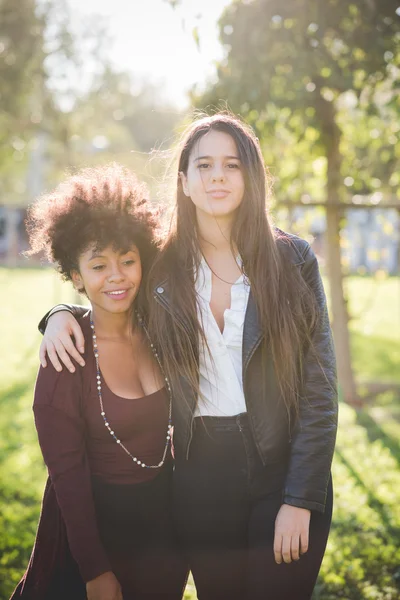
(238, 316)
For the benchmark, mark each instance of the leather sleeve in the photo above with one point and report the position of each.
(314, 435)
(75, 309)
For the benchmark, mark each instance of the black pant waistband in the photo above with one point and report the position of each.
(235, 423)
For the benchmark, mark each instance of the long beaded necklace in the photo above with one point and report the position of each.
(102, 411)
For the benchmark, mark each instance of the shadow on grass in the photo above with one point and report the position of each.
(372, 499)
(375, 432)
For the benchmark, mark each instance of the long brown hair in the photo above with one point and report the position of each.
(285, 305)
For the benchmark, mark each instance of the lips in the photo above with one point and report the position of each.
(117, 294)
(219, 193)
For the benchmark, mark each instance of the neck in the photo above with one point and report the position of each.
(214, 232)
(112, 325)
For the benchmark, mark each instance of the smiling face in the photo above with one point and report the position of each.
(214, 179)
(111, 279)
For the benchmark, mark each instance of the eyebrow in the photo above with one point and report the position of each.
(211, 157)
(94, 255)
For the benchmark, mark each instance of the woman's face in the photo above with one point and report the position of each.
(111, 279)
(214, 180)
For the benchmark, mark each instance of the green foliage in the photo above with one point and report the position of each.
(63, 106)
(21, 76)
(109, 122)
(308, 75)
(287, 51)
(363, 556)
(21, 59)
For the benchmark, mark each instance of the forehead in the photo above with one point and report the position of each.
(215, 144)
(109, 251)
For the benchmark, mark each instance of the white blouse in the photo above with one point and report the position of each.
(221, 383)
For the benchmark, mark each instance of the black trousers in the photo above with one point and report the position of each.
(225, 505)
(136, 526)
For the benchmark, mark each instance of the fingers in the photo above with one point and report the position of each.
(68, 346)
(42, 353)
(278, 548)
(63, 356)
(57, 352)
(79, 339)
(58, 344)
(304, 542)
(286, 548)
(295, 547)
(291, 533)
(52, 354)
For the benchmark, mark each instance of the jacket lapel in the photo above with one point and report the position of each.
(252, 334)
(162, 296)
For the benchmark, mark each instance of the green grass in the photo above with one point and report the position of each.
(374, 307)
(363, 556)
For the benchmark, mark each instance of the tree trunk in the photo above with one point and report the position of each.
(338, 304)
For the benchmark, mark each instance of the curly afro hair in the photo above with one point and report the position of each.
(99, 206)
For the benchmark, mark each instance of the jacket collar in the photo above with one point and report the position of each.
(252, 334)
(286, 243)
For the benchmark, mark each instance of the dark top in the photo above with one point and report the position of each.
(76, 446)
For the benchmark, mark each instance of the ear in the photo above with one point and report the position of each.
(77, 281)
(184, 183)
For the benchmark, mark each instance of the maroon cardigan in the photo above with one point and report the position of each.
(76, 447)
(68, 550)
(52, 573)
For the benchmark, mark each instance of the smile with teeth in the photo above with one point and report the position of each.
(116, 293)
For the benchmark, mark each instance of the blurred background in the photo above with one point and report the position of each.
(84, 83)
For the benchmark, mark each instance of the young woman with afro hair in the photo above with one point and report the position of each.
(105, 530)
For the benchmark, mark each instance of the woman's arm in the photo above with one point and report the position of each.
(59, 326)
(313, 439)
(314, 436)
(61, 432)
(75, 309)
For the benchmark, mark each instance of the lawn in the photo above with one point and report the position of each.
(363, 556)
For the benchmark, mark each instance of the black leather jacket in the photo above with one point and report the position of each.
(307, 442)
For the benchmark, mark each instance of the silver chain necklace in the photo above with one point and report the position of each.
(245, 278)
(102, 411)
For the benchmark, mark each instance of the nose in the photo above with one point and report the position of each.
(116, 275)
(218, 173)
